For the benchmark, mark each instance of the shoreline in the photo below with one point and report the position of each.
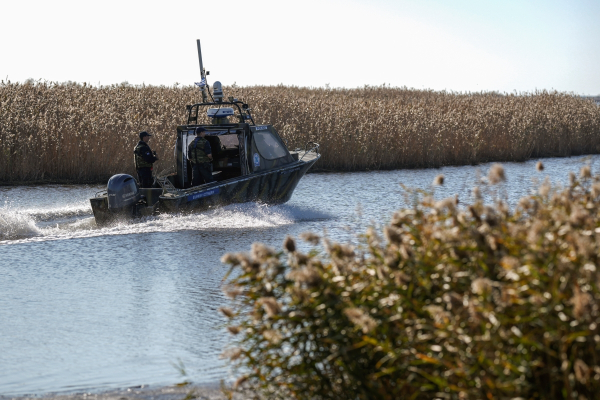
(42, 182)
(191, 391)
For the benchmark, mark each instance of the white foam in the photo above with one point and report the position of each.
(69, 222)
(239, 216)
(14, 225)
(57, 213)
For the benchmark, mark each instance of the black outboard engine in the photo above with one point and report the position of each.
(123, 194)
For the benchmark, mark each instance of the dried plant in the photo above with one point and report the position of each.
(458, 302)
(80, 133)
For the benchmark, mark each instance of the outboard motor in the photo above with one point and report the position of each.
(123, 193)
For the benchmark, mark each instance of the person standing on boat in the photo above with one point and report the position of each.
(144, 158)
(200, 155)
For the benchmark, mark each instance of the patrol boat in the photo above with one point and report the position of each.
(251, 163)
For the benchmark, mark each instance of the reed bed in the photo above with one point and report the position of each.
(81, 133)
(452, 302)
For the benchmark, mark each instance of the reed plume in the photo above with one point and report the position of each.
(80, 133)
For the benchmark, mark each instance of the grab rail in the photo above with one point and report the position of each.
(163, 181)
(307, 150)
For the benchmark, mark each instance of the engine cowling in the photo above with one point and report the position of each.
(123, 191)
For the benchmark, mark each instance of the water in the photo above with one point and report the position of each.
(89, 309)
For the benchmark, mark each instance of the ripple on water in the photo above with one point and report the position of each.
(87, 308)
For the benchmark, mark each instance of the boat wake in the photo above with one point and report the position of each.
(16, 226)
(28, 223)
(71, 222)
(62, 213)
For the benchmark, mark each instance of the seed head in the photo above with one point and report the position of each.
(596, 189)
(240, 381)
(301, 259)
(449, 203)
(310, 238)
(247, 264)
(453, 300)
(289, 245)
(544, 188)
(360, 318)
(271, 306)
(308, 276)
(228, 312)
(272, 336)
(582, 371)
(232, 291)
(539, 166)
(392, 235)
(232, 353)
(481, 285)
(477, 193)
(230, 258)
(585, 172)
(578, 216)
(534, 232)
(261, 252)
(234, 329)
(496, 174)
(581, 304)
(402, 278)
(509, 262)
(438, 313)
(439, 180)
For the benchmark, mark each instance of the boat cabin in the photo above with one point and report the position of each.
(239, 146)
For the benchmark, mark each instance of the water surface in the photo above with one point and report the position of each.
(88, 309)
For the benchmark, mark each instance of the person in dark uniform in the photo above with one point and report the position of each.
(200, 155)
(144, 158)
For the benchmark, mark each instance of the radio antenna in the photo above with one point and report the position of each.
(202, 74)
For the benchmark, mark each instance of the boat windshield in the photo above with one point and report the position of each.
(269, 146)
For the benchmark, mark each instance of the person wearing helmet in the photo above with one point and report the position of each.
(144, 158)
(200, 155)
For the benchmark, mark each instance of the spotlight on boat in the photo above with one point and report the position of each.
(217, 92)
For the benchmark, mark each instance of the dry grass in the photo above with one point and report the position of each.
(453, 302)
(79, 133)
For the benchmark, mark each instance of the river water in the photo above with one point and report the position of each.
(89, 309)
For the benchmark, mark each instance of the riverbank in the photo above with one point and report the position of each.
(57, 132)
(140, 393)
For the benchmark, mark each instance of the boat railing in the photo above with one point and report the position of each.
(243, 110)
(163, 181)
(315, 148)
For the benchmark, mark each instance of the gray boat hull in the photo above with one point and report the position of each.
(270, 187)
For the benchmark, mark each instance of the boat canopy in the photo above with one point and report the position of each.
(267, 149)
(238, 150)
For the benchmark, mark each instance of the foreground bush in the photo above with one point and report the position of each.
(457, 302)
(82, 133)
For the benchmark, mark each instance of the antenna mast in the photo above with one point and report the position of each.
(202, 74)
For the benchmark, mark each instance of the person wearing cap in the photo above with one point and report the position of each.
(200, 155)
(144, 158)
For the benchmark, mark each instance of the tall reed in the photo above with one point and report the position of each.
(81, 133)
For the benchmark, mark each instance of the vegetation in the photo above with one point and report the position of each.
(454, 302)
(80, 133)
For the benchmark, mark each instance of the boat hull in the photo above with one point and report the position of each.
(270, 187)
(105, 216)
